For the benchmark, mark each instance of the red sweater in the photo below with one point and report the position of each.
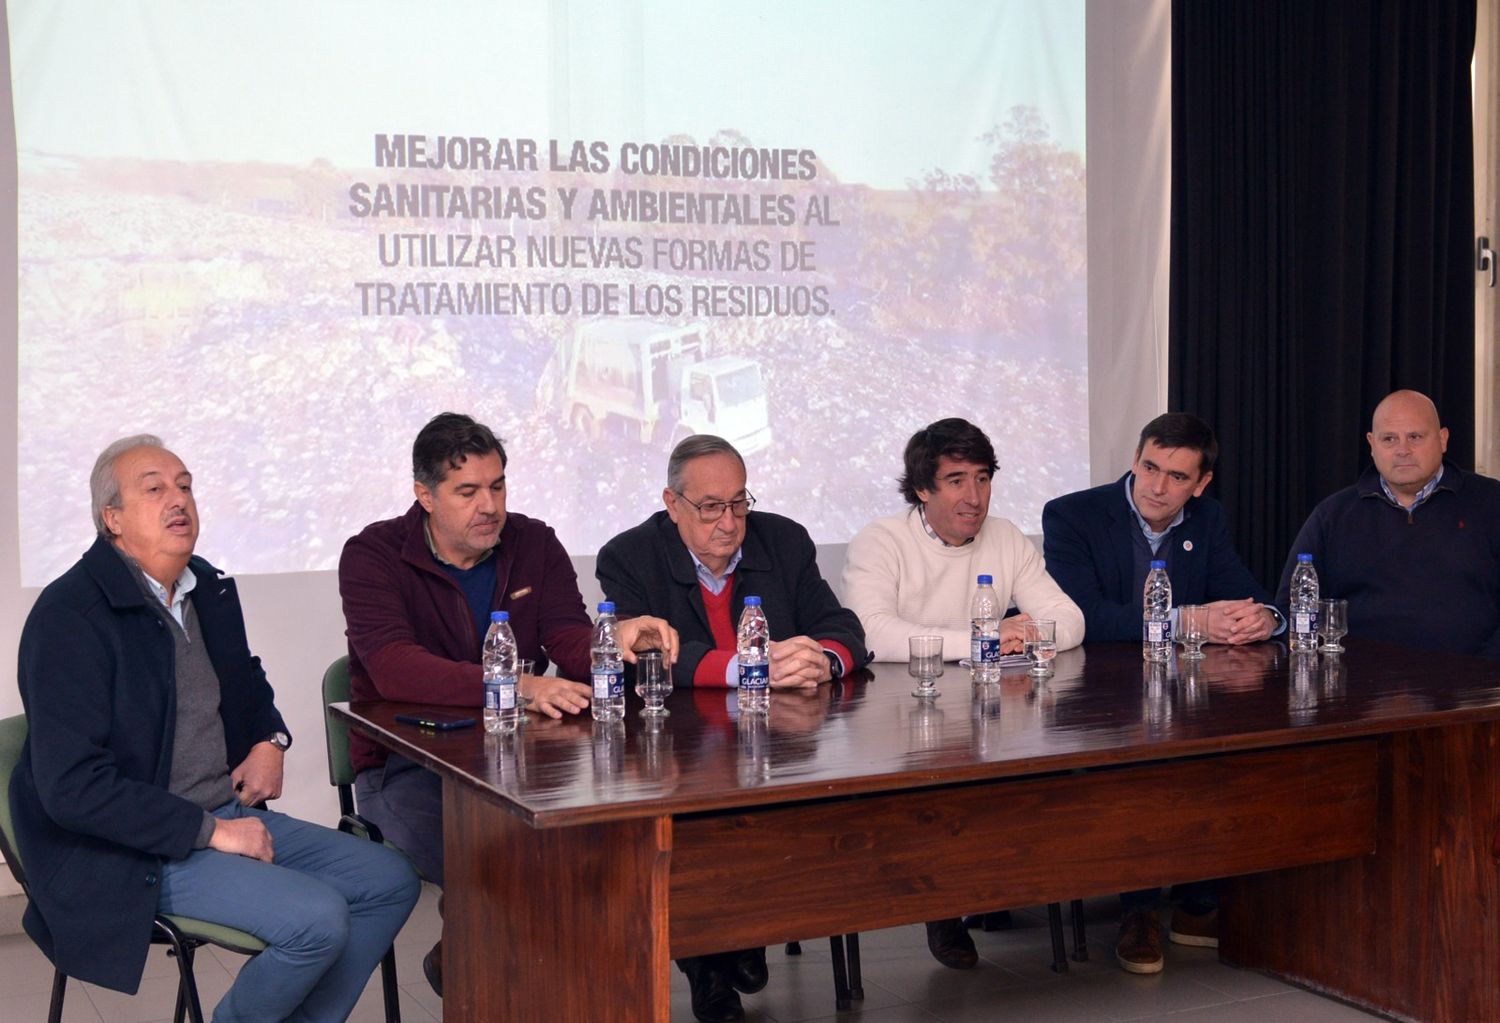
(716, 662)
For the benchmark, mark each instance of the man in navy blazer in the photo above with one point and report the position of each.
(1098, 545)
(152, 738)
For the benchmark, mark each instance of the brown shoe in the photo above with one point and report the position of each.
(1192, 929)
(950, 944)
(432, 967)
(1139, 947)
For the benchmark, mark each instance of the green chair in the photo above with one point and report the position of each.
(182, 935)
(341, 777)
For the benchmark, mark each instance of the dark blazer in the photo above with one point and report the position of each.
(647, 570)
(1088, 540)
(93, 816)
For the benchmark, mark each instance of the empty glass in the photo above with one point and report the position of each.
(525, 666)
(1192, 630)
(925, 664)
(652, 684)
(1333, 624)
(1039, 639)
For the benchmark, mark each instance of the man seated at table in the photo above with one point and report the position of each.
(1099, 545)
(153, 742)
(417, 593)
(693, 564)
(914, 574)
(1414, 544)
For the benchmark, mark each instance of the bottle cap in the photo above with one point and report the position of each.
(752, 602)
(1307, 558)
(499, 616)
(1158, 564)
(606, 607)
(986, 580)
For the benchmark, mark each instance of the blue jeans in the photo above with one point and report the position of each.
(405, 801)
(327, 908)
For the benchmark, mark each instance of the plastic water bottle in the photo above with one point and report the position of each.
(1156, 614)
(502, 711)
(1304, 600)
(753, 645)
(608, 671)
(984, 632)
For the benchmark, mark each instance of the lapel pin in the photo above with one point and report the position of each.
(1187, 545)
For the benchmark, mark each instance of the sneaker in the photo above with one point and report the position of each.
(1139, 947)
(1195, 929)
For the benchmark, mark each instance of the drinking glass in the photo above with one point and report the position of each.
(652, 683)
(1039, 640)
(525, 666)
(1192, 630)
(1333, 624)
(925, 664)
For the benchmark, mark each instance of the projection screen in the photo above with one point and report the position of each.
(284, 235)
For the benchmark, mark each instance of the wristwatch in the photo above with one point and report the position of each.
(835, 666)
(280, 740)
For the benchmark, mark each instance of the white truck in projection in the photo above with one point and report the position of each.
(659, 383)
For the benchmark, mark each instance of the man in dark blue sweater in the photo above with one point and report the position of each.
(1414, 545)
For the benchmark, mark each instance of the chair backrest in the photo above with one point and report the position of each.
(340, 770)
(12, 738)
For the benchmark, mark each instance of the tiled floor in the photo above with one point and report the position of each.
(902, 983)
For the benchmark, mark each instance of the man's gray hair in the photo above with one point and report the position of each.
(696, 446)
(104, 485)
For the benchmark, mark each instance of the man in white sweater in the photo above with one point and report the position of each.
(914, 574)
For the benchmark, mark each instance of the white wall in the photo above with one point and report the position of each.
(294, 621)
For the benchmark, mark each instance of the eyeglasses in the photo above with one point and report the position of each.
(712, 511)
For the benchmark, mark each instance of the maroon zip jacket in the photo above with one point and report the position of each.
(411, 636)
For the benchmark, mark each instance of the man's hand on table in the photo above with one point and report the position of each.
(799, 663)
(554, 696)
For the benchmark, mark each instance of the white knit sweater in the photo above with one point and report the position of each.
(902, 583)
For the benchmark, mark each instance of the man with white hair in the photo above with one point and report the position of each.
(153, 742)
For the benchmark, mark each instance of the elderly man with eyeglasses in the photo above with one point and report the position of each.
(693, 564)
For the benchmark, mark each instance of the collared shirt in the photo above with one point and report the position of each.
(1154, 541)
(176, 602)
(715, 583)
(922, 514)
(427, 534)
(1153, 538)
(1422, 495)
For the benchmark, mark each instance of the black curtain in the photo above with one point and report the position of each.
(1322, 240)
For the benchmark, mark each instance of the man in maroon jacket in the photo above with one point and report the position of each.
(418, 591)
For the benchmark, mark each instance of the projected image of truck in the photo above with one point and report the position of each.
(657, 383)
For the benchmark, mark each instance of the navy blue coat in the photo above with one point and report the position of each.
(647, 570)
(93, 817)
(1088, 539)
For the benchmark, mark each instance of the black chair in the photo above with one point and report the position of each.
(182, 935)
(1000, 921)
(341, 777)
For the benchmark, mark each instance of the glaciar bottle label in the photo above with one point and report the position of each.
(1304, 621)
(507, 695)
(491, 697)
(984, 651)
(609, 685)
(755, 676)
(1157, 632)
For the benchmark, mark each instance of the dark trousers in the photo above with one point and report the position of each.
(405, 801)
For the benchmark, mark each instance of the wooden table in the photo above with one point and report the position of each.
(1355, 801)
